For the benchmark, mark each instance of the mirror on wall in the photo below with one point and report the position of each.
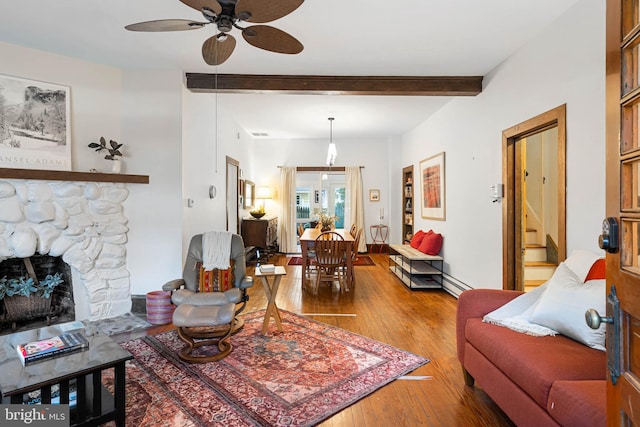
(249, 194)
(233, 194)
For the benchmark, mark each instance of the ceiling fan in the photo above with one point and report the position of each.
(226, 14)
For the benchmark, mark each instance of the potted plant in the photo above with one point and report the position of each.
(327, 221)
(23, 298)
(113, 151)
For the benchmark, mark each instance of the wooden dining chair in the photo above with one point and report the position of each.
(353, 231)
(356, 243)
(330, 259)
(354, 257)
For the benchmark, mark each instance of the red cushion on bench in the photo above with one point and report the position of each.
(417, 239)
(431, 244)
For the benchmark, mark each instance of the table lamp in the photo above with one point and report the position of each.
(264, 193)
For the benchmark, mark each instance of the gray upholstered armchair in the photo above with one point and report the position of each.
(186, 289)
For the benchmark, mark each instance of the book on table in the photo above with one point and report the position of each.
(49, 348)
(267, 268)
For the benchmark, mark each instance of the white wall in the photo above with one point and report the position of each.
(152, 132)
(564, 64)
(204, 162)
(268, 154)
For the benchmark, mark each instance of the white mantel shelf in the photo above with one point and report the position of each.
(49, 175)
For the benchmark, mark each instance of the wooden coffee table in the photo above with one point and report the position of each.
(94, 404)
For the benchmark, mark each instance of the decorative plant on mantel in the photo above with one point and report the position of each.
(113, 151)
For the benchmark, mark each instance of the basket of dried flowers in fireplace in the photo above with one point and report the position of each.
(26, 298)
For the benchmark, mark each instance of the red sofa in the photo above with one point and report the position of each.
(536, 381)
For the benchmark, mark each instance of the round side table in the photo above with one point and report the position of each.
(379, 234)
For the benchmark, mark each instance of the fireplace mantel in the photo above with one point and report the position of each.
(51, 175)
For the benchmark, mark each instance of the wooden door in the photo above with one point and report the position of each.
(521, 209)
(512, 175)
(623, 206)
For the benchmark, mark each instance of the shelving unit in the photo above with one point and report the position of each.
(407, 203)
(415, 269)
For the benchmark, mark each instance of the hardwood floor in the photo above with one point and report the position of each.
(422, 322)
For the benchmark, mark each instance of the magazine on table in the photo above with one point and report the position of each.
(49, 348)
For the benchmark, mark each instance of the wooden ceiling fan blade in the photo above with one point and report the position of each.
(200, 4)
(215, 52)
(272, 39)
(166, 25)
(265, 11)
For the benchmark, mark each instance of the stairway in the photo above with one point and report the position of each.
(536, 268)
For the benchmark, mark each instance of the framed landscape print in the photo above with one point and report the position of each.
(374, 195)
(433, 194)
(34, 125)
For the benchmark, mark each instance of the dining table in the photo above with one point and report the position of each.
(309, 237)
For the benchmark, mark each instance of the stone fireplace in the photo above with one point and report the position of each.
(82, 222)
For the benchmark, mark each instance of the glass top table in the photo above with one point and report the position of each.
(83, 368)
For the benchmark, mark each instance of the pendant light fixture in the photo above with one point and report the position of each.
(331, 153)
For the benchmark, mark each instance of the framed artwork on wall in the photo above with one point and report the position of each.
(432, 176)
(35, 130)
(374, 195)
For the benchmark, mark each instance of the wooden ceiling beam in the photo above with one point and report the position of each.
(335, 85)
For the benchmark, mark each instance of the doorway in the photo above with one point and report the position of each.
(534, 210)
(233, 199)
(320, 192)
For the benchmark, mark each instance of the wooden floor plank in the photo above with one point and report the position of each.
(421, 322)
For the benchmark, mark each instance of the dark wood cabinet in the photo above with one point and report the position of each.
(261, 233)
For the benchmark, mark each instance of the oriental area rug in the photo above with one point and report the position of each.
(361, 260)
(297, 377)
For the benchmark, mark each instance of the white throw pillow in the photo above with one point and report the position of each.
(581, 261)
(564, 303)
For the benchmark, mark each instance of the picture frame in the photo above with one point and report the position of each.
(36, 131)
(432, 178)
(374, 195)
(249, 194)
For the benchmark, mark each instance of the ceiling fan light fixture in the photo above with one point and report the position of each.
(225, 24)
(226, 14)
(208, 13)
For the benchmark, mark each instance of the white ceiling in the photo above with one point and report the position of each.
(341, 37)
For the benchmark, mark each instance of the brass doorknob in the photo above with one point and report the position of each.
(594, 320)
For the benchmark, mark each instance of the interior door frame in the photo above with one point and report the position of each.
(233, 201)
(512, 227)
